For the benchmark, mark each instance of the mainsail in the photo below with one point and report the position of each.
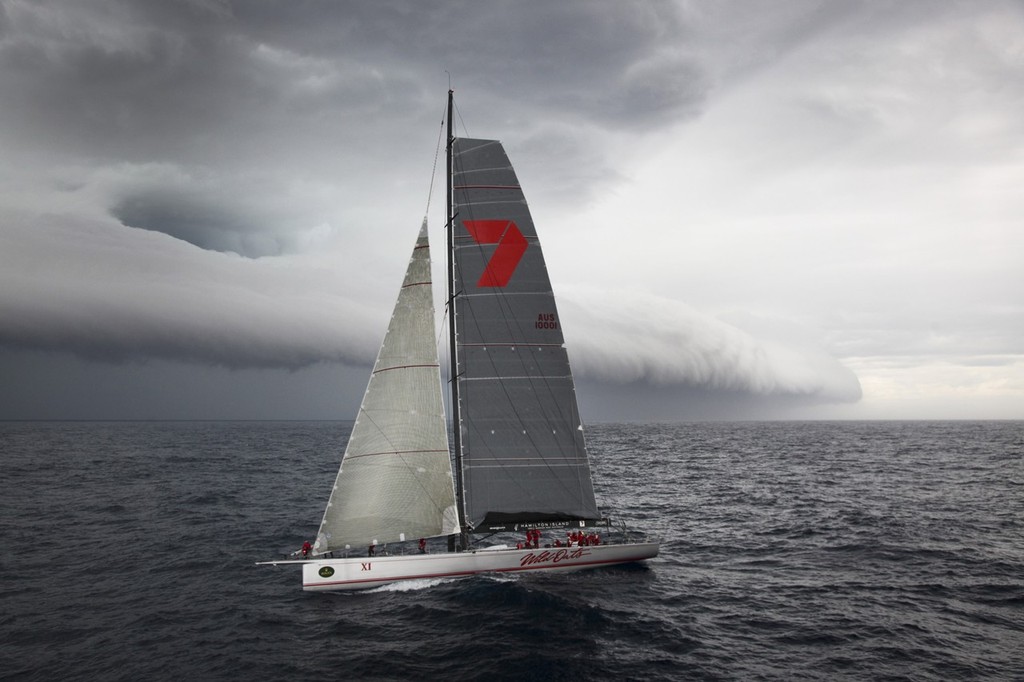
(395, 480)
(524, 459)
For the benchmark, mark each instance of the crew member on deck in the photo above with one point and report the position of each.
(533, 538)
(306, 549)
(423, 546)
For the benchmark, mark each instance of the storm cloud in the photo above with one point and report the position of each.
(810, 205)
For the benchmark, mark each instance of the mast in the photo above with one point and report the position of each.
(460, 497)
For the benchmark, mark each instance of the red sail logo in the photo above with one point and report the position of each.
(511, 247)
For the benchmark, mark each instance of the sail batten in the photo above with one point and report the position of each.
(395, 453)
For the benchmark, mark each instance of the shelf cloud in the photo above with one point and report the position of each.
(814, 205)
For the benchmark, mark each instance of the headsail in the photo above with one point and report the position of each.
(523, 451)
(396, 477)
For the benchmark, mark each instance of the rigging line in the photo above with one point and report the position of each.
(433, 172)
(458, 113)
(442, 330)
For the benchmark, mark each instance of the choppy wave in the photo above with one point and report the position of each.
(791, 551)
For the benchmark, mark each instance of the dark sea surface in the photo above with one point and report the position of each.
(851, 550)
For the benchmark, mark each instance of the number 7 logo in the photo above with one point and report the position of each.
(511, 247)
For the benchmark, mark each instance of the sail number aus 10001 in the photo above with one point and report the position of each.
(546, 321)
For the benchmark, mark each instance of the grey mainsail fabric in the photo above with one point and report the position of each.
(396, 477)
(523, 449)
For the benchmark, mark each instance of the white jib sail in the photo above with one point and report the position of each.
(395, 480)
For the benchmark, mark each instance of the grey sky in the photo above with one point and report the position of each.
(802, 209)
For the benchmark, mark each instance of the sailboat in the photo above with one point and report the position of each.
(518, 463)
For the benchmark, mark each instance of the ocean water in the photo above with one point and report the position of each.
(858, 550)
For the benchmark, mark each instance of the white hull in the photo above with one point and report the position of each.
(355, 573)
